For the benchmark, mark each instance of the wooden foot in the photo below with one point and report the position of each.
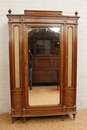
(74, 116)
(13, 119)
(24, 119)
(63, 117)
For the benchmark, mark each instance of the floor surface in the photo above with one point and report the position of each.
(45, 123)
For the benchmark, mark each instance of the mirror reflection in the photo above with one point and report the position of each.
(43, 64)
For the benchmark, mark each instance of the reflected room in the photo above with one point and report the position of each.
(43, 65)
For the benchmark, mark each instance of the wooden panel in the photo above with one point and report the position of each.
(45, 69)
(44, 76)
(43, 13)
(70, 56)
(43, 62)
(16, 99)
(16, 49)
(69, 97)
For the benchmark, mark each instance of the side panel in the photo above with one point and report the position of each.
(17, 69)
(70, 69)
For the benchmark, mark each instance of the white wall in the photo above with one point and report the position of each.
(68, 7)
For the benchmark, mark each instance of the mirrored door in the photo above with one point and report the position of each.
(43, 65)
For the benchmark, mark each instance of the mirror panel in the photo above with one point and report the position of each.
(43, 62)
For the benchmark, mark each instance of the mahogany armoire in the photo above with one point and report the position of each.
(62, 68)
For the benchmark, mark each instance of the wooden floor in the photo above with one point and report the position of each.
(44, 95)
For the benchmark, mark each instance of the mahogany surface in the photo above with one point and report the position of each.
(19, 96)
(45, 69)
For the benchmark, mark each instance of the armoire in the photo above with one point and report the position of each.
(58, 62)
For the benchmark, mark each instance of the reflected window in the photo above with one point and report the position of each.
(43, 47)
(44, 40)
